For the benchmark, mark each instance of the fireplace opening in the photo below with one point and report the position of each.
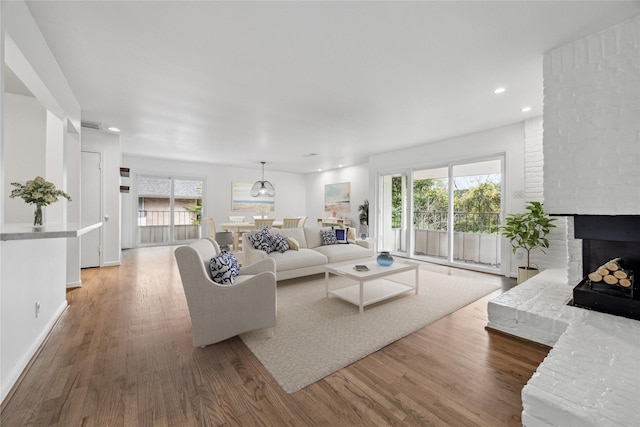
(606, 238)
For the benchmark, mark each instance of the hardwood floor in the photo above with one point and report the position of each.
(121, 355)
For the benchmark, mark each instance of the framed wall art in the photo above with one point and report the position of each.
(337, 197)
(243, 201)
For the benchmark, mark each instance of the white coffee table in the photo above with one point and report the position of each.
(372, 286)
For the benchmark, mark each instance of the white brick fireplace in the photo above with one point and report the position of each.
(592, 129)
(591, 171)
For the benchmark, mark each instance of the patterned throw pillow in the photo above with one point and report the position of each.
(279, 243)
(341, 235)
(328, 237)
(294, 245)
(224, 268)
(262, 240)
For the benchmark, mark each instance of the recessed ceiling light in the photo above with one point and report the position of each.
(499, 90)
(339, 166)
(113, 129)
(526, 109)
(319, 170)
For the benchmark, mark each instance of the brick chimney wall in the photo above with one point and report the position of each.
(592, 129)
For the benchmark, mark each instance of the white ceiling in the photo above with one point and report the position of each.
(237, 83)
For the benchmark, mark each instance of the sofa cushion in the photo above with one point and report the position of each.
(328, 237)
(261, 240)
(342, 235)
(337, 253)
(279, 243)
(224, 268)
(294, 245)
(312, 236)
(294, 233)
(351, 235)
(302, 258)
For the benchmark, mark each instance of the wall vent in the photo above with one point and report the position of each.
(91, 125)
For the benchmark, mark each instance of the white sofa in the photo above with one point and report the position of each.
(312, 255)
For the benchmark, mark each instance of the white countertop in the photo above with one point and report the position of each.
(49, 231)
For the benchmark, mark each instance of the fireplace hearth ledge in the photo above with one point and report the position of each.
(591, 376)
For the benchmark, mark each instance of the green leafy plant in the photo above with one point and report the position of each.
(528, 230)
(364, 212)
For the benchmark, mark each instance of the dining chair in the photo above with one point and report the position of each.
(224, 238)
(236, 218)
(290, 222)
(211, 227)
(263, 223)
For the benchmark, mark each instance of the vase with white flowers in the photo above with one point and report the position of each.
(39, 192)
(263, 210)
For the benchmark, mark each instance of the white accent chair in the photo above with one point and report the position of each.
(220, 312)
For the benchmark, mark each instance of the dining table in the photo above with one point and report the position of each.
(238, 227)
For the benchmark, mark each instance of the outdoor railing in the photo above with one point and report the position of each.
(146, 218)
(476, 236)
(154, 226)
(471, 222)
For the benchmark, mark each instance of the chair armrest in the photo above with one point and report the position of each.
(251, 254)
(260, 266)
(364, 243)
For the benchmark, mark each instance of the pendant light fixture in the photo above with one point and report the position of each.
(263, 188)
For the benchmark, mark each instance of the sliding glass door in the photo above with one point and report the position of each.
(477, 191)
(393, 214)
(431, 213)
(449, 215)
(169, 210)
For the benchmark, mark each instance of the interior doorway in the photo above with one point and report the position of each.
(91, 196)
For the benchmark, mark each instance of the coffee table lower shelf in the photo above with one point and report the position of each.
(373, 291)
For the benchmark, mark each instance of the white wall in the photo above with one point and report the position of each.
(25, 125)
(33, 271)
(72, 167)
(289, 198)
(357, 175)
(23, 281)
(55, 172)
(556, 255)
(108, 145)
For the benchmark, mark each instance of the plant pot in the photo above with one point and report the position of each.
(525, 273)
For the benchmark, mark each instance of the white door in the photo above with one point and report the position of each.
(91, 194)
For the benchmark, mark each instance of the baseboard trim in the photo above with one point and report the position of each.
(77, 284)
(112, 264)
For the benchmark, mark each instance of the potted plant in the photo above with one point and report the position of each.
(528, 231)
(39, 192)
(364, 219)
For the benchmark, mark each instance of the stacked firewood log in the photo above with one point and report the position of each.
(613, 273)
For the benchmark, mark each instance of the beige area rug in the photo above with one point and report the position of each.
(316, 336)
